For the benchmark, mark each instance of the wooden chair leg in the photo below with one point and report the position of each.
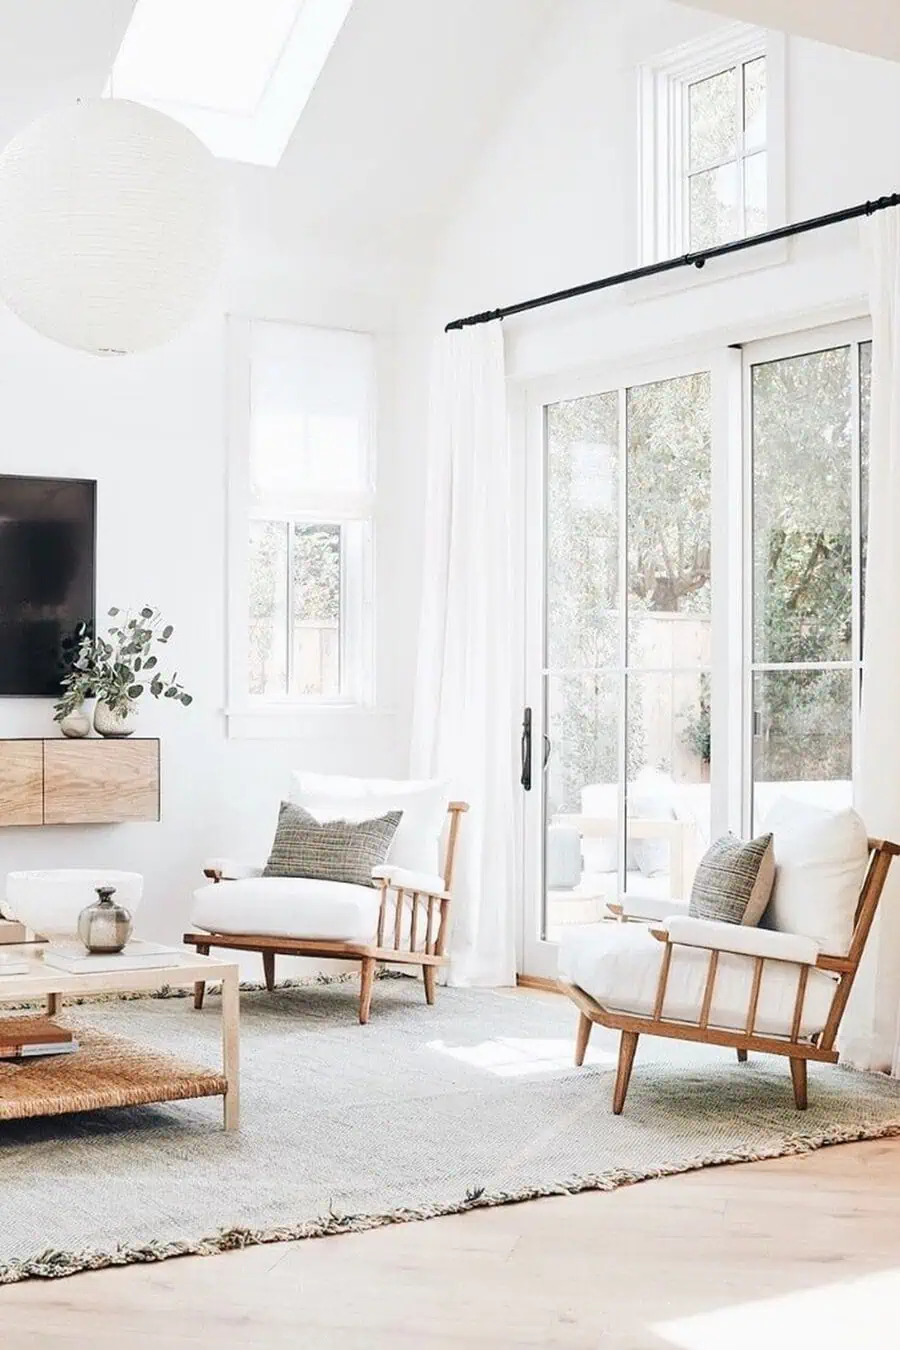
(200, 985)
(269, 970)
(742, 1056)
(366, 980)
(54, 1003)
(582, 1036)
(428, 975)
(798, 1078)
(627, 1047)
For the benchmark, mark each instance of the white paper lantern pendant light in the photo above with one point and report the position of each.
(110, 226)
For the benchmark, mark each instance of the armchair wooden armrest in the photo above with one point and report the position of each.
(634, 909)
(226, 869)
(738, 940)
(403, 879)
(424, 938)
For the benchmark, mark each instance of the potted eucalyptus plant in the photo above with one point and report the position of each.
(117, 670)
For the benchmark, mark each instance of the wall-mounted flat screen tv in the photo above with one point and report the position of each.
(47, 577)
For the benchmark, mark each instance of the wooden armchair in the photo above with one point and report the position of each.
(403, 920)
(802, 1027)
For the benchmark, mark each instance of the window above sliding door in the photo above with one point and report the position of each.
(712, 142)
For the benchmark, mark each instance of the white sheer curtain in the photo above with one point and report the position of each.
(465, 704)
(869, 1033)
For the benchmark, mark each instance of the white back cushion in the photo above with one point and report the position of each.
(820, 862)
(416, 845)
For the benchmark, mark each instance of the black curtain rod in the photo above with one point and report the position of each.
(699, 259)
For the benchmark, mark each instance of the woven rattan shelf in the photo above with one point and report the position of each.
(105, 1071)
(108, 1071)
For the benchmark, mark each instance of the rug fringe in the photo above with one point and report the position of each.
(54, 1264)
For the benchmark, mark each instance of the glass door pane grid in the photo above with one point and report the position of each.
(618, 685)
(664, 717)
(610, 676)
(853, 666)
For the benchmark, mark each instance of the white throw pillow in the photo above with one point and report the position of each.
(820, 862)
(416, 844)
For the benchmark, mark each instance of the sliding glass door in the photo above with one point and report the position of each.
(695, 540)
(808, 420)
(620, 647)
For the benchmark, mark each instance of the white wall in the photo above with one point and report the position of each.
(151, 430)
(553, 201)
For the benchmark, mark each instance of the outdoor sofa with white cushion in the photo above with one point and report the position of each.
(668, 832)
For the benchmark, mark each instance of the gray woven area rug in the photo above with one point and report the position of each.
(423, 1112)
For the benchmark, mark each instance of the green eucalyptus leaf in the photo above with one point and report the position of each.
(186, 699)
(135, 691)
(167, 632)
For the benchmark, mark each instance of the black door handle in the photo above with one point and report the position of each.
(548, 746)
(525, 778)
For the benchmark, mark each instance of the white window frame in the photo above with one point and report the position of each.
(354, 511)
(663, 86)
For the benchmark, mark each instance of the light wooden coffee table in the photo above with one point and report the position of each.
(110, 1071)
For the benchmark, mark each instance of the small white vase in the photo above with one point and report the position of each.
(76, 724)
(108, 722)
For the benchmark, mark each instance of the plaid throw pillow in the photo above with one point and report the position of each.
(734, 880)
(334, 850)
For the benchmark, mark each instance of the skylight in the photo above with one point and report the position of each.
(237, 72)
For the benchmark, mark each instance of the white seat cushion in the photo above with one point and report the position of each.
(618, 964)
(297, 907)
(416, 844)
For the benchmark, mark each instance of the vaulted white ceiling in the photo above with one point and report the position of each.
(862, 25)
(407, 95)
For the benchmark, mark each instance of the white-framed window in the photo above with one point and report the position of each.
(711, 140)
(301, 512)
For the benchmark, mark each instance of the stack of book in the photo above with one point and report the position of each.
(75, 959)
(24, 1037)
(13, 964)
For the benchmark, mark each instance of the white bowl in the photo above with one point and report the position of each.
(49, 902)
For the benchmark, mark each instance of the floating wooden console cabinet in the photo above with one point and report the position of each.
(87, 782)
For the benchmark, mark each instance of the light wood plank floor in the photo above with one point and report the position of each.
(790, 1253)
